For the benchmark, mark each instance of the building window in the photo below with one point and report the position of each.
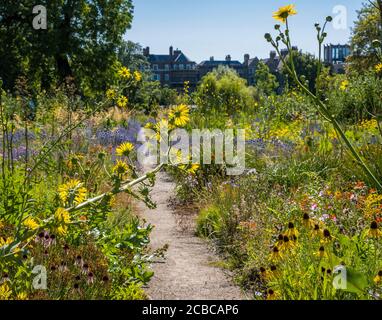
(156, 77)
(167, 77)
(155, 67)
(166, 67)
(175, 67)
(181, 67)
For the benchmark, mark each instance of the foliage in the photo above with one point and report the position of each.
(81, 35)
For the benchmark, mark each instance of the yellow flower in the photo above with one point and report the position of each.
(22, 296)
(193, 168)
(72, 192)
(321, 252)
(378, 278)
(5, 292)
(124, 73)
(272, 295)
(110, 94)
(62, 230)
(378, 68)
(124, 149)
(374, 231)
(122, 101)
(179, 115)
(292, 233)
(31, 224)
(5, 241)
(284, 12)
(120, 168)
(344, 85)
(62, 216)
(137, 76)
(276, 255)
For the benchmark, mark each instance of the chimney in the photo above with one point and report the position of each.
(177, 52)
(228, 58)
(272, 55)
(246, 58)
(212, 58)
(146, 51)
(171, 51)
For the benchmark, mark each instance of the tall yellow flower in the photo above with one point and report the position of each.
(124, 149)
(62, 216)
(122, 101)
(378, 68)
(179, 115)
(110, 94)
(120, 168)
(31, 224)
(5, 292)
(72, 192)
(137, 76)
(124, 73)
(284, 12)
(344, 85)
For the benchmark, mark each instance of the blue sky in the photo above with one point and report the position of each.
(204, 28)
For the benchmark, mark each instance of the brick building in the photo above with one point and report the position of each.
(172, 69)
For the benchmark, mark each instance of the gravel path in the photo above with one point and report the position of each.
(186, 272)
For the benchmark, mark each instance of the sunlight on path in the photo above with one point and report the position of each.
(186, 272)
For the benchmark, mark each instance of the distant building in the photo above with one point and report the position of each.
(209, 65)
(335, 56)
(172, 69)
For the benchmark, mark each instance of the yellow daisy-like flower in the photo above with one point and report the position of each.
(162, 128)
(344, 85)
(284, 12)
(31, 224)
(179, 115)
(378, 68)
(22, 296)
(110, 94)
(137, 76)
(124, 149)
(122, 101)
(5, 241)
(292, 232)
(272, 295)
(62, 216)
(72, 192)
(378, 278)
(276, 254)
(5, 292)
(374, 231)
(124, 73)
(120, 168)
(62, 230)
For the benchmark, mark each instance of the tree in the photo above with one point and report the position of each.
(130, 54)
(80, 41)
(306, 66)
(265, 81)
(367, 29)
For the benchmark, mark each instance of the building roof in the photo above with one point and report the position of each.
(166, 58)
(214, 63)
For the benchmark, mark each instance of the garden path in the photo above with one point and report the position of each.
(187, 271)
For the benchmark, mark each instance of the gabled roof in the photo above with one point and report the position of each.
(166, 58)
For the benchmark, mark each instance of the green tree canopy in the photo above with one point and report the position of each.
(367, 29)
(265, 81)
(80, 41)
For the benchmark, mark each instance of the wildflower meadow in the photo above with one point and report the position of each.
(81, 117)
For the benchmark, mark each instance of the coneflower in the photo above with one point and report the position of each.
(374, 231)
